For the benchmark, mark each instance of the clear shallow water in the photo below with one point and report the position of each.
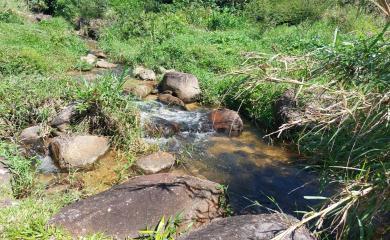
(250, 168)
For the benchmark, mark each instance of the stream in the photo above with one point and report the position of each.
(251, 169)
(259, 177)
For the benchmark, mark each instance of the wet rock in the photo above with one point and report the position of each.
(248, 227)
(171, 100)
(144, 73)
(90, 59)
(139, 88)
(65, 117)
(32, 141)
(183, 85)
(104, 64)
(125, 209)
(155, 162)
(157, 126)
(225, 120)
(77, 152)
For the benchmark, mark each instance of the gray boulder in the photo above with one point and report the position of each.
(124, 210)
(32, 140)
(249, 227)
(155, 162)
(144, 73)
(183, 85)
(77, 152)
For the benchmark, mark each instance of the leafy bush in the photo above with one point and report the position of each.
(71, 9)
(284, 11)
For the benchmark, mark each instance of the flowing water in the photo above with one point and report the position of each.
(258, 176)
(251, 169)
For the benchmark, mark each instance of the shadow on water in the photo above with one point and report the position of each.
(250, 168)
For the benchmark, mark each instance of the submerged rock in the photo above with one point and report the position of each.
(248, 227)
(155, 162)
(171, 100)
(183, 85)
(225, 120)
(77, 152)
(144, 73)
(157, 126)
(125, 209)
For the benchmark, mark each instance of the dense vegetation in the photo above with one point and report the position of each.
(246, 55)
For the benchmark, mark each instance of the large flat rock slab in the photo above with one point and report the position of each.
(126, 209)
(249, 227)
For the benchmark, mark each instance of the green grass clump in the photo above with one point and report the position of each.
(113, 113)
(31, 99)
(47, 47)
(21, 167)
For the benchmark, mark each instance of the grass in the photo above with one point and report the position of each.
(47, 47)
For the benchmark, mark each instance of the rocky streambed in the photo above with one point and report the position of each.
(211, 164)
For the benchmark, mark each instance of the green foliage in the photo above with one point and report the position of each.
(363, 61)
(38, 48)
(86, 9)
(163, 231)
(9, 16)
(71, 9)
(20, 167)
(113, 112)
(285, 11)
(83, 66)
(30, 99)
